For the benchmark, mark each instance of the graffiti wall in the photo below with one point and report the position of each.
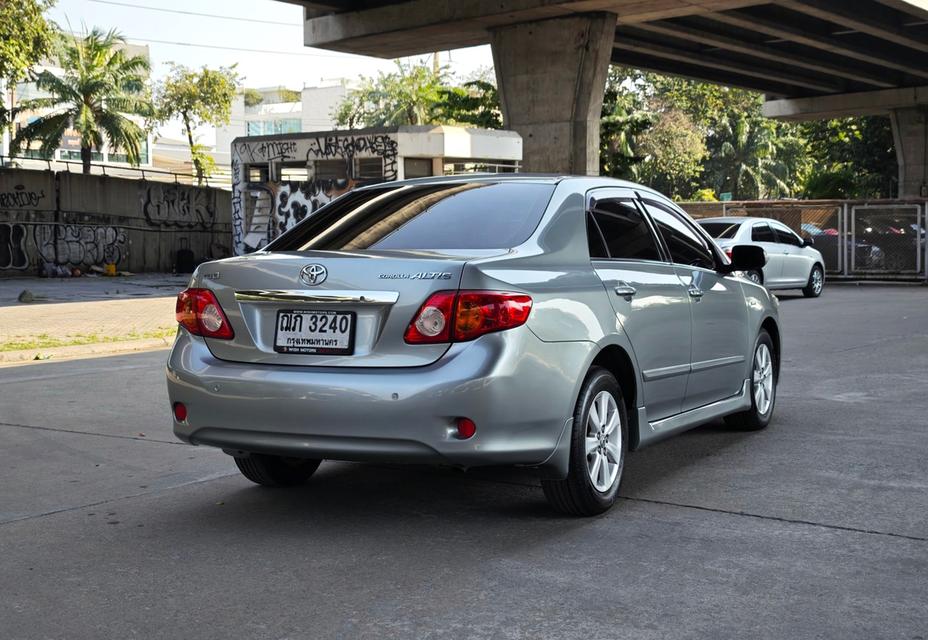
(73, 220)
(265, 204)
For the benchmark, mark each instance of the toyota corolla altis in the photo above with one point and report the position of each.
(554, 323)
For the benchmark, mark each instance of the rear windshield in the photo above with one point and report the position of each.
(720, 229)
(469, 215)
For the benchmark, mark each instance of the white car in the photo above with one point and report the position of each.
(792, 263)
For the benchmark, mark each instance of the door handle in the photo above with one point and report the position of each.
(625, 290)
(694, 291)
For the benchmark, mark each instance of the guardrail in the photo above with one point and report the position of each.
(219, 179)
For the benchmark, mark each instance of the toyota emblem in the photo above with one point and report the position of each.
(313, 274)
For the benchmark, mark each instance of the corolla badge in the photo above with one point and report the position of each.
(313, 274)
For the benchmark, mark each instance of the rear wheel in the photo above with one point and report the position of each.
(276, 471)
(597, 449)
(813, 288)
(763, 388)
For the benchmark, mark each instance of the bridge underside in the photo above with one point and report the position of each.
(812, 58)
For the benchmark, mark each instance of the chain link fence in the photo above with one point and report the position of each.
(856, 238)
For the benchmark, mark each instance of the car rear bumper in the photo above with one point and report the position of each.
(518, 390)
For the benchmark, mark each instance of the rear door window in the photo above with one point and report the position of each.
(625, 230)
(453, 216)
(762, 233)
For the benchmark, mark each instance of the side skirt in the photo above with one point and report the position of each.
(673, 425)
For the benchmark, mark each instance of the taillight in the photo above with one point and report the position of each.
(728, 252)
(199, 312)
(449, 316)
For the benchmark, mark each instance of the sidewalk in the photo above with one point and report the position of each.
(86, 316)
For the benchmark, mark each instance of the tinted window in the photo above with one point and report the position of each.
(625, 230)
(684, 244)
(460, 215)
(762, 233)
(786, 236)
(594, 239)
(721, 230)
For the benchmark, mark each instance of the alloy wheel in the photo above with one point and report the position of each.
(603, 441)
(763, 379)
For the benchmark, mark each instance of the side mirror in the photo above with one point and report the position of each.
(807, 242)
(746, 257)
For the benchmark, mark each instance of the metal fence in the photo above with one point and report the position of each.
(863, 239)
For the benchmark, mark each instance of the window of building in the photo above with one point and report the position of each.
(271, 127)
(330, 169)
(75, 154)
(256, 173)
(626, 232)
(417, 167)
(294, 172)
(683, 242)
(369, 168)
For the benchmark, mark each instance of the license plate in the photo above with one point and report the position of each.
(321, 332)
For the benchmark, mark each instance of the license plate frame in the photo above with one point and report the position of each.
(313, 349)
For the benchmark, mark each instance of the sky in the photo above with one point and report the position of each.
(265, 39)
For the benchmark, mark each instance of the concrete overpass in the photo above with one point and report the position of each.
(812, 58)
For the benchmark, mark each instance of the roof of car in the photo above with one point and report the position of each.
(540, 178)
(737, 219)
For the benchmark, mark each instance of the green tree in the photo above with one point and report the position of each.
(673, 150)
(854, 158)
(197, 97)
(623, 119)
(252, 97)
(405, 96)
(100, 86)
(474, 103)
(25, 39)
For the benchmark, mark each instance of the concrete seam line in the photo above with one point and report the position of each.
(118, 498)
(89, 433)
(745, 514)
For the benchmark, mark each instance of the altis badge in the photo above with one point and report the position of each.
(421, 275)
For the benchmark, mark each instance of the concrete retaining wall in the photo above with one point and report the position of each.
(83, 220)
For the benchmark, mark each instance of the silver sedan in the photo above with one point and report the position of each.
(792, 263)
(554, 323)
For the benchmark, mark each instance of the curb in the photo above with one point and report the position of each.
(54, 354)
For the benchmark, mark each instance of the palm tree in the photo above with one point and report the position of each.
(99, 87)
(749, 155)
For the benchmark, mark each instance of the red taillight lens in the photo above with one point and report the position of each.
(480, 312)
(198, 311)
(449, 316)
(180, 412)
(728, 252)
(466, 428)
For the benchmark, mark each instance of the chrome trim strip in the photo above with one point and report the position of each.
(716, 362)
(666, 372)
(308, 295)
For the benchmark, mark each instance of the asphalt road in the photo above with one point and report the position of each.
(814, 528)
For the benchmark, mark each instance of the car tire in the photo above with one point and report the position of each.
(757, 277)
(578, 493)
(764, 373)
(816, 283)
(276, 471)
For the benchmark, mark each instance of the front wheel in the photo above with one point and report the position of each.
(277, 471)
(756, 277)
(597, 449)
(763, 387)
(813, 288)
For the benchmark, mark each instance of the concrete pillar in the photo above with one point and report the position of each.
(551, 75)
(910, 133)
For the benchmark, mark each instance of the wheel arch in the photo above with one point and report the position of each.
(617, 361)
(773, 329)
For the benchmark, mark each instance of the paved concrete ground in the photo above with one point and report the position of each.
(814, 528)
(94, 314)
